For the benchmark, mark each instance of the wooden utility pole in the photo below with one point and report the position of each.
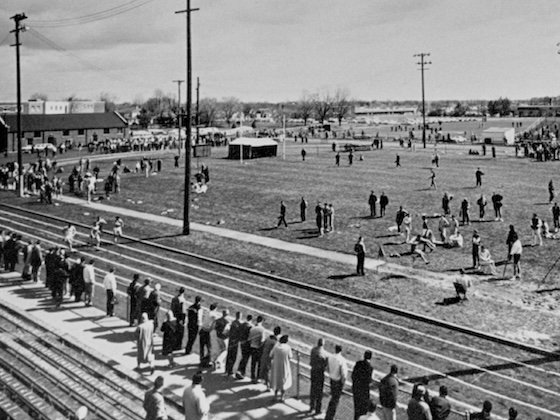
(179, 114)
(17, 19)
(197, 109)
(188, 144)
(423, 63)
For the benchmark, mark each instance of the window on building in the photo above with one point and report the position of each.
(65, 132)
(37, 134)
(30, 142)
(81, 132)
(106, 131)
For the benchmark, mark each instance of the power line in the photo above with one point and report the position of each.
(57, 47)
(5, 39)
(93, 17)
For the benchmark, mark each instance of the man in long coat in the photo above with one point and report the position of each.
(145, 341)
(361, 381)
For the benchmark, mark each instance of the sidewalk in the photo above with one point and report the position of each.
(376, 265)
(113, 338)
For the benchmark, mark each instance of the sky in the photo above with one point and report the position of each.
(275, 50)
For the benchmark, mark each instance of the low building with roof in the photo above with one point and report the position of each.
(499, 135)
(252, 148)
(61, 128)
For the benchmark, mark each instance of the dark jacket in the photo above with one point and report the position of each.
(388, 391)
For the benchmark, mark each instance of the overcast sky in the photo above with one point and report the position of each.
(273, 50)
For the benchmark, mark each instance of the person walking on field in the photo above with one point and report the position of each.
(69, 234)
(478, 175)
(432, 179)
(303, 154)
(303, 209)
(372, 201)
(465, 206)
(337, 159)
(550, 192)
(282, 218)
(397, 161)
(360, 250)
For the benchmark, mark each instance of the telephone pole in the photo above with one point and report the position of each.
(197, 114)
(188, 145)
(179, 114)
(17, 19)
(423, 63)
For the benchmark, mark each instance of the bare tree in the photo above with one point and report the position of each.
(39, 96)
(305, 107)
(208, 109)
(229, 107)
(323, 105)
(341, 104)
(109, 100)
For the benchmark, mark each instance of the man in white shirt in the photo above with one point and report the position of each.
(257, 335)
(110, 285)
(515, 253)
(207, 325)
(195, 404)
(89, 282)
(338, 372)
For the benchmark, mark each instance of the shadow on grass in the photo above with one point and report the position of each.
(555, 289)
(268, 229)
(542, 204)
(342, 276)
(366, 217)
(390, 235)
(449, 301)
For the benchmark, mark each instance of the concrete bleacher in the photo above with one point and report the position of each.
(92, 357)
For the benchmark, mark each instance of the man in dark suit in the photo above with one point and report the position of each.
(372, 204)
(361, 381)
(383, 202)
(282, 218)
(439, 405)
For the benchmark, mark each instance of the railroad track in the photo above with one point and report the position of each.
(45, 376)
(427, 350)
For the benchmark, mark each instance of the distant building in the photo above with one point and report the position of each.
(53, 107)
(360, 111)
(525, 110)
(60, 128)
(498, 135)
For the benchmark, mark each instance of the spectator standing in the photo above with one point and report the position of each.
(550, 191)
(536, 227)
(482, 202)
(194, 320)
(465, 206)
(195, 403)
(476, 249)
(266, 360)
(497, 203)
(338, 372)
(154, 404)
(222, 331)
(439, 405)
(319, 219)
(77, 279)
(360, 250)
(361, 381)
(154, 303)
(89, 282)
(257, 336)
(303, 209)
(179, 308)
(110, 285)
(388, 392)
(233, 344)
(245, 346)
(281, 371)
(132, 292)
(485, 414)
(206, 327)
(143, 298)
(370, 415)
(478, 175)
(445, 201)
(319, 362)
(36, 261)
(417, 408)
(516, 251)
(145, 342)
(383, 203)
(556, 216)
(169, 329)
(372, 201)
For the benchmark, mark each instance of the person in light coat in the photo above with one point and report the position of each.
(195, 403)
